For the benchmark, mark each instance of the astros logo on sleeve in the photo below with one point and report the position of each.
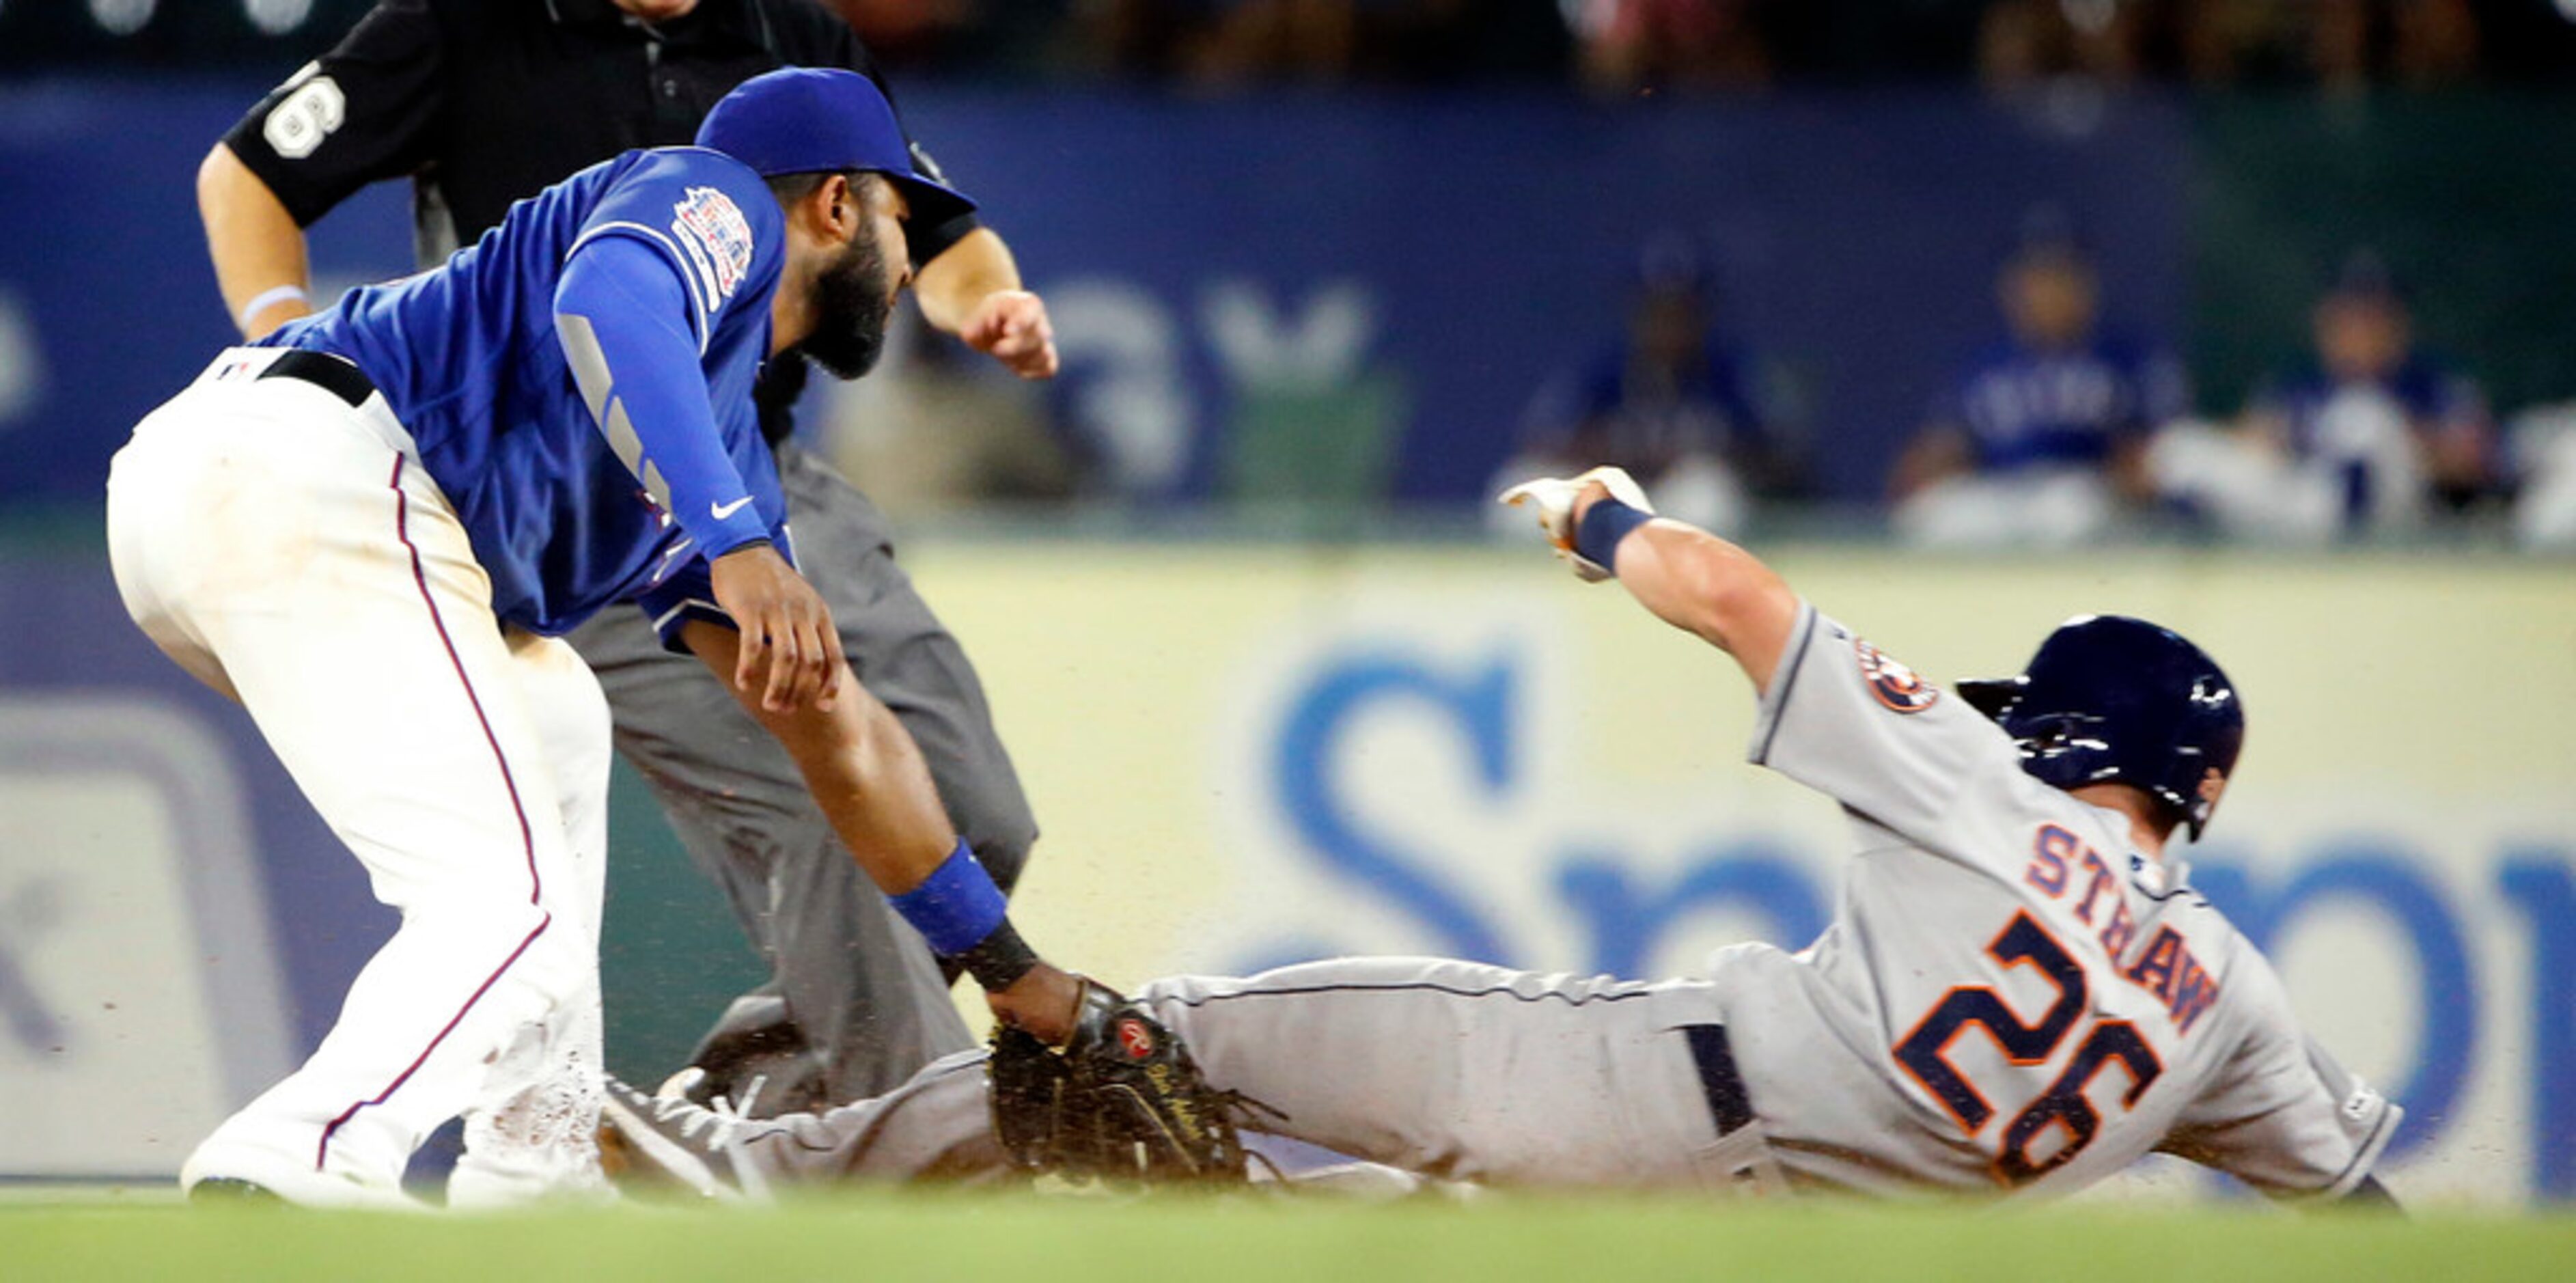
(1896, 685)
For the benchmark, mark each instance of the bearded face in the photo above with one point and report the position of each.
(853, 299)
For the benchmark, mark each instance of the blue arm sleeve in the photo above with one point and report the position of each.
(623, 317)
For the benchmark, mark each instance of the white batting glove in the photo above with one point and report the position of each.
(1552, 500)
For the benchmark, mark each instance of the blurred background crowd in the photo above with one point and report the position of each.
(1609, 46)
(1979, 273)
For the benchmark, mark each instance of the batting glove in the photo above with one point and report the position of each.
(1552, 499)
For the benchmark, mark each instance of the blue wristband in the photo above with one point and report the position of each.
(1607, 522)
(956, 907)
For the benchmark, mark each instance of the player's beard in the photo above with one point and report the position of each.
(852, 304)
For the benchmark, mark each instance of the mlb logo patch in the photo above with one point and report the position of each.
(717, 237)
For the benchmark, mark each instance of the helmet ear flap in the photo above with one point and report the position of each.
(2204, 799)
(1992, 696)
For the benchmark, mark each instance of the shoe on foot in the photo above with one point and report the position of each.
(236, 1174)
(670, 1140)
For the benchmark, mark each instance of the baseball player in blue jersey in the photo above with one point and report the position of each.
(2018, 995)
(2042, 440)
(372, 527)
(2370, 435)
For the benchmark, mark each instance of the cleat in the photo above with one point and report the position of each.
(234, 1191)
(221, 1173)
(690, 1084)
(672, 1141)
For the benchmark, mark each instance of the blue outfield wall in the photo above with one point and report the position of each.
(1446, 253)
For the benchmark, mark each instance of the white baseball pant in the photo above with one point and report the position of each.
(288, 549)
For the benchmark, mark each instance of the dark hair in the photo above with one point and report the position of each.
(791, 188)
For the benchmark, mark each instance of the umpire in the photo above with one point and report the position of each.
(482, 102)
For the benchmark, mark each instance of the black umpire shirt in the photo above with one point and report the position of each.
(485, 102)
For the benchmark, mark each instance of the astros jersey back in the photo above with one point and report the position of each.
(2009, 996)
(468, 359)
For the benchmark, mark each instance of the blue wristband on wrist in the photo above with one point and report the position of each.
(1604, 524)
(957, 906)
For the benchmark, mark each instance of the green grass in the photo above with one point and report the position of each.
(1074, 1239)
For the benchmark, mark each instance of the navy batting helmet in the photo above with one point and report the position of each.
(2110, 699)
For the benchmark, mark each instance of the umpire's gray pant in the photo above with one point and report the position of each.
(856, 1002)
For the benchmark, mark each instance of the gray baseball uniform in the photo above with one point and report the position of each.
(856, 1002)
(2008, 994)
(2009, 1000)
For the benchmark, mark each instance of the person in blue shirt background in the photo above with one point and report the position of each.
(2368, 435)
(372, 529)
(2043, 440)
(1673, 401)
(2365, 347)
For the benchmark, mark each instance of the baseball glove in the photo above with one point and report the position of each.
(1122, 1102)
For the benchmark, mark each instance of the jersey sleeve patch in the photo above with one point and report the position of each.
(1896, 686)
(711, 229)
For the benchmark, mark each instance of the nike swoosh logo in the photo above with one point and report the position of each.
(724, 510)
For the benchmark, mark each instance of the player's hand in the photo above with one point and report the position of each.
(1559, 503)
(1044, 1002)
(790, 651)
(1011, 327)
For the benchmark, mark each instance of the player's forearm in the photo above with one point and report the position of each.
(868, 777)
(951, 286)
(257, 249)
(1704, 585)
(1700, 584)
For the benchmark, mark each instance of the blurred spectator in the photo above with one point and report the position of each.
(2413, 42)
(936, 429)
(1630, 45)
(906, 32)
(1131, 39)
(2544, 452)
(2339, 44)
(1261, 40)
(1625, 45)
(1238, 42)
(1451, 41)
(1670, 401)
(2023, 41)
(2042, 443)
(2370, 435)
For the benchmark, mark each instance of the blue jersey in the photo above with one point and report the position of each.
(577, 495)
(2025, 407)
(1623, 409)
(2430, 392)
